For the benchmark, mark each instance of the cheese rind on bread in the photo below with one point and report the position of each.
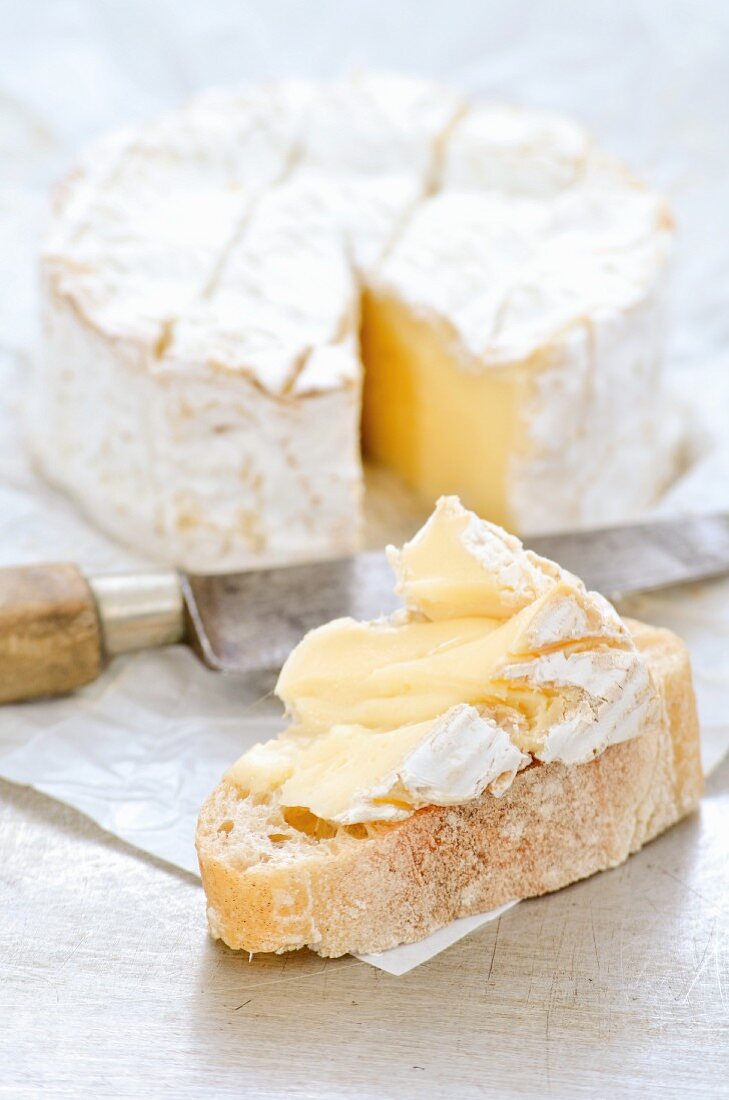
(502, 736)
(499, 659)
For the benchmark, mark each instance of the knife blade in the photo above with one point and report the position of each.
(59, 627)
(251, 621)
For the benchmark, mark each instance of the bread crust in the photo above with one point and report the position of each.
(556, 824)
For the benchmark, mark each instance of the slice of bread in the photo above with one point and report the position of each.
(278, 880)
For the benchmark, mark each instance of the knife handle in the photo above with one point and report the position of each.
(50, 636)
(58, 628)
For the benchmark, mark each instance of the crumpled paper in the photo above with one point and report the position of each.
(138, 750)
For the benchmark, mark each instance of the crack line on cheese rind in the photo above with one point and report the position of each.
(294, 160)
(348, 325)
(238, 234)
(439, 145)
(252, 203)
(435, 180)
(275, 141)
(124, 143)
(431, 183)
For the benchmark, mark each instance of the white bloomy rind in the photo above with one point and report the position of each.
(199, 390)
(544, 671)
(463, 753)
(496, 575)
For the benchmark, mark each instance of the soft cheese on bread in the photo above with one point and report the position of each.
(232, 289)
(501, 666)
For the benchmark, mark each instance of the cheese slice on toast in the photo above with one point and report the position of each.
(503, 735)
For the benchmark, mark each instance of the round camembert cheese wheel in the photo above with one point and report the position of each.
(242, 296)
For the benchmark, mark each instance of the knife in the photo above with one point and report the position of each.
(59, 628)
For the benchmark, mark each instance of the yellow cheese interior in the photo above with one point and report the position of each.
(325, 773)
(365, 694)
(382, 677)
(441, 427)
(441, 571)
(348, 759)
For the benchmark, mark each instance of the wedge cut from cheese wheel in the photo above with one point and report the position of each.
(229, 291)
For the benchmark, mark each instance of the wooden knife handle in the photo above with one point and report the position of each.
(50, 637)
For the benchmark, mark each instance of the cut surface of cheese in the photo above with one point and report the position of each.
(437, 425)
(456, 565)
(517, 663)
(233, 290)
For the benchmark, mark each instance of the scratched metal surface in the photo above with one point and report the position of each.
(109, 985)
(237, 623)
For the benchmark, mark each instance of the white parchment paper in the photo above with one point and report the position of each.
(140, 749)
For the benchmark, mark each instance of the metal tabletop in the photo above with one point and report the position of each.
(110, 986)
